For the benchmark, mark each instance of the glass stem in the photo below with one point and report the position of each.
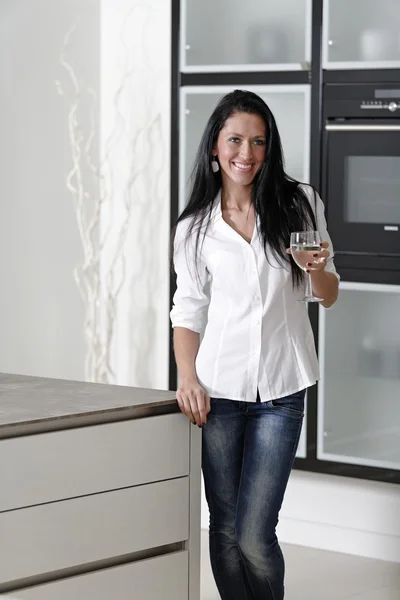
(309, 291)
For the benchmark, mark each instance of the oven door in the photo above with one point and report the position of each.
(362, 187)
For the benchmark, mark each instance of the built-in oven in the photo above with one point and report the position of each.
(361, 170)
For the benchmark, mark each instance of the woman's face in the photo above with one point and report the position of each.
(241, 147)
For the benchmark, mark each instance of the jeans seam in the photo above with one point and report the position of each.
(245, 569)
(296, 444)
(290, 470)
(216, 573)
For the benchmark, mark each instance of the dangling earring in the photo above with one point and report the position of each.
(215, 165)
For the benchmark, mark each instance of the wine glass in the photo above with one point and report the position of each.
(302, 243)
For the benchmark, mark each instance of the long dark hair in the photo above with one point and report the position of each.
(282, 206)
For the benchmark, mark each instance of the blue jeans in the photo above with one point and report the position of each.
(248, 453)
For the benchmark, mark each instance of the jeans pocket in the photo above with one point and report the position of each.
(292, 405)
(223, 407)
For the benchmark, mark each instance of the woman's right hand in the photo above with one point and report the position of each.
(193, 401)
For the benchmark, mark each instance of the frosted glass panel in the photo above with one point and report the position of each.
(289, 104)
(362, 31)
(359, 403)
(228, 33)
(302, 448)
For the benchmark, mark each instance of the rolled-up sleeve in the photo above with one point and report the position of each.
(191, 298)
(319, 211)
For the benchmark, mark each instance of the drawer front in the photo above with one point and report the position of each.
(161, 578)
(65, 464)
(45, 538)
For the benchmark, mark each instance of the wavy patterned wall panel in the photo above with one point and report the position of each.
(84, 216)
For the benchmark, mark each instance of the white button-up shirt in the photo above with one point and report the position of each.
(255, 333)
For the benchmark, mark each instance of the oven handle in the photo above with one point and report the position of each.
(332, 127)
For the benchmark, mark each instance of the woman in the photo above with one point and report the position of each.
(238, 289)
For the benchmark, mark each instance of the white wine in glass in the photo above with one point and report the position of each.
(303, 245)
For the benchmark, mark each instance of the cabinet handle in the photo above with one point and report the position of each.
(392, 127)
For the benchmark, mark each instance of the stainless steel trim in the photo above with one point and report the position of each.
(333, 127)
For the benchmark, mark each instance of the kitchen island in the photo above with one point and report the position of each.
(99, 492)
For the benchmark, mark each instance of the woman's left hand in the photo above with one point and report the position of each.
(315, 261)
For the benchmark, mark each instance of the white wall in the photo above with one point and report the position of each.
(107, 136)
(339, 514)
(41, 315)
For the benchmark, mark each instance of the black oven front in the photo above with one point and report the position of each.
(361, 169)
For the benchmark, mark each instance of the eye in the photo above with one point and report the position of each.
(259, 142)
(235, 140)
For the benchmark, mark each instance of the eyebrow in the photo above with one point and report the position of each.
(240, 135)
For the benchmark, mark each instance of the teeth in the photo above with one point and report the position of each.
(243, 167)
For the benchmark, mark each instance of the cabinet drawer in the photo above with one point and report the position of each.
(75, 462)
(45, 538)
(161, 578)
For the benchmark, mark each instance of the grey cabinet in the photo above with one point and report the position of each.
(88, 460)
(99, 493)
(160, 577)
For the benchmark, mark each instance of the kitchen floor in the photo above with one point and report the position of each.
(321, 575)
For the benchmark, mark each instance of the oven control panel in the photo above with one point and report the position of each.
(379, 105)
(364, 101)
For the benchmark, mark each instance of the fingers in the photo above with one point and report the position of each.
(322, 254)
(195, 404)
(184, 405)
(317, 264)
(203, 405)
(318, 260)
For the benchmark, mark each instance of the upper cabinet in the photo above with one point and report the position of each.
(235, 36)
(361, 34)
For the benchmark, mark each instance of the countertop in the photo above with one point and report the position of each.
(28, 401)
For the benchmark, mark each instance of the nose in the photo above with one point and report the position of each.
(246, 151)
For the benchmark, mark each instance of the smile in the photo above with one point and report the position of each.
(243, 167)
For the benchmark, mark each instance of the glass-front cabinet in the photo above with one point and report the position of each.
(290, 105)
(256, 35)
(353, 425)
(359, 391)
(361, 34)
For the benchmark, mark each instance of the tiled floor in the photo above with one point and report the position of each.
(320, 575)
